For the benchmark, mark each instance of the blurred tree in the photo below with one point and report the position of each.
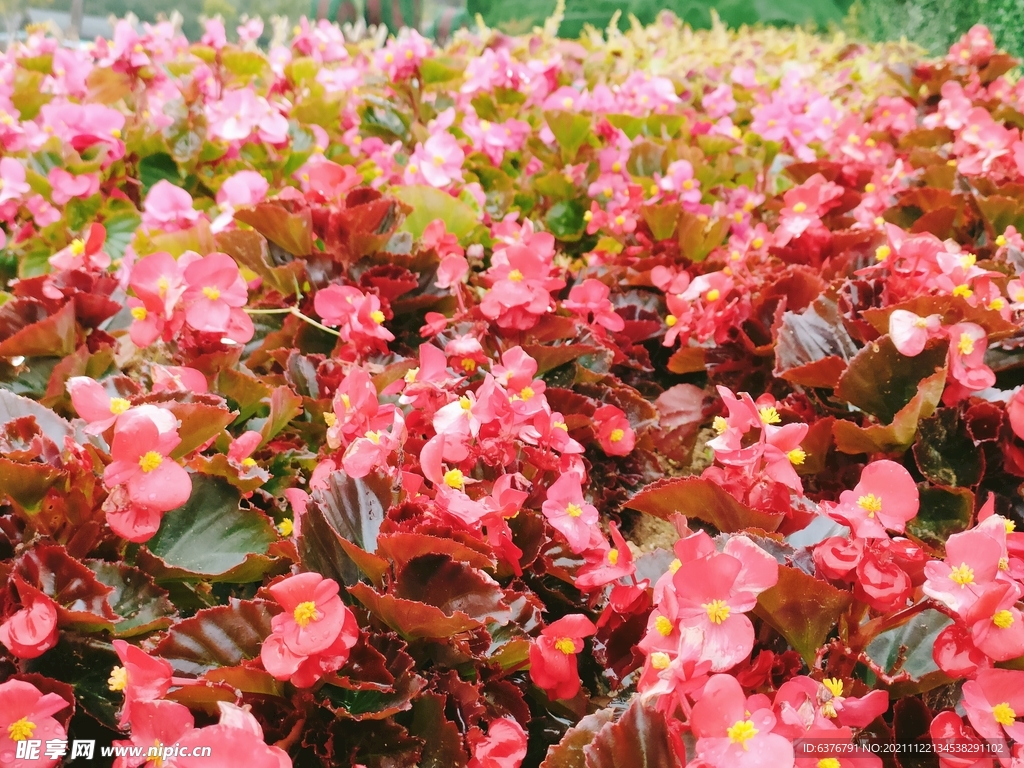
(224, 8)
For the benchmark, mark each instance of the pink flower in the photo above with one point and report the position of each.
(732, 734)
(94, 404)
(83, 254)
(713, 595)
(805, 205)
(67, 186)
(997, 629)
(215, 294)
(885, 498)
(993, 701)
(32, 631)
(910, 332)
(504, 746)
(159, 281)
(606, 566)
(141, 462)
(553, 655)
(968, 343)
(590, 298)
(972, 562)
(438, 161)
(314, 634)
(28, 714)
(568, 513)
(155, 724)
(168, 207)
(141, 678)
(12, 180)
(236, 740)
(614, 432)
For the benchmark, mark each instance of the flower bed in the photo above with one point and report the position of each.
(577, 402)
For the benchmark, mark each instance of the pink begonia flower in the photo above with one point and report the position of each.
(679, 178)
(241, 190)
(402, 56)
(522, 283)
(972, 562)
(993, 702)
(885, 498)
(28, 714)
(568, 513)
(910, 332)
(715, 593)
(968, 343)
(32, 631)
(314, 634)
(732, 734)
(438, 161)
(67, 186)
(553, 655)
(175, 378)
(83, 254)
(236, 740)
(591, 298)
(614, 433)
(804, 207)
(606, 565)
(504, 746)
(359, 317)
(242, 446)
(12, 180)
(216, 293)
(168, 207)
(997, 629)
(93, 404)
(155, 724)
(240, 112)
(142, 463)
(159, 280)
(949, 733)
(250, 31)
(140, 677)
(371, 451)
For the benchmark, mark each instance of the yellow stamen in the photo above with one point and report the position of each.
(834, 685)
(882, 252)
(664, 625)
(869, 187)
(150, 460)
(741, 732)
(248, 461)
(675, 565)
(613, 557)
(573, 510)
(139, 313)
(719, 424)
(620, 220)
(966, 344)
(688, 185)
(118, 679)
(616, 435)
(330, 419)
(211, 293)
(713, 295)
(799, 207)
(373, 436)
(77, 247)
(1003, 619)
(515, 276)
(410, 375)
(829, 762)
(769, 415)
(870, 503)
(465, 403)
(526, 393)
(377, 316)
(565, 645)
(1004, 714)
(1001, 241)
(454, 478)
(963, 575)
(20, 730)
(660, 660)
(286, 527)
(671, 320)
(561, 425)
(1004, 563)
(963, 290)
(119, 405)
(468, 364)
(717, 610)
(797, 456)
(1009, 525)
(306, 612)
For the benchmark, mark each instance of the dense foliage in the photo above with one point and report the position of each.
(641, 400)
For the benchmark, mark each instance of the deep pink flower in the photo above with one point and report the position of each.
(94, 404)
(236, 740)
(141, 462)
(28, 714)
(972, 562)
(590, 299)
(614, 432)
(438, 161)
(155, 724)
(83, 253)
(314, 634)
(731, 734)
(67, 186)
(605, 566)
(504, 746)
(215, 288)
(553, 655)
(993, 701)
(32, 631)
(168, 207)
(997, 628)
(141, 677)
(968, 343)
(885, 498)
(568, 513)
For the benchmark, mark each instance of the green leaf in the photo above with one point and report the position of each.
(440, 70)
(916, 638)
(120, 231)
(569, 752)
(571, 130)
(291, 231)
(704, 500)
(943, 512)
(285, 405)
(209, 536)
(142, 606)
(157, 168)
(945, 452)
(802, 609)
(565, 220)
(84, 664)
(199, 423)
(640, 738)
(429, 204)
(222, 636)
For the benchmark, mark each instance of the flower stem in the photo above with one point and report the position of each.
(294, 311)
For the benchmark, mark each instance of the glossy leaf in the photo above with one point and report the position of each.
(429, 204)
(802, 609)
(704, 500)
